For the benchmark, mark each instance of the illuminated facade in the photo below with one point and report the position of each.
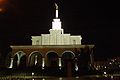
(54, 50)
(56, 36)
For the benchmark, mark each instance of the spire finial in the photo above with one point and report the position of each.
(56, 6)
(56, 10)
(56, 24)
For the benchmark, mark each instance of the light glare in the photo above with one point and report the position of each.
(1, 9)
(105, 73)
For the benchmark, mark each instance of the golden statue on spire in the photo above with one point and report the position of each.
(56, 10)
(56, 6)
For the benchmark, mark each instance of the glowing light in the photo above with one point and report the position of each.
(105, 73)
(111, 77)
(3, 4)
(76, 67)
(32, 73)
(60, 62)
(77, 77)
(56, 13)
(97, 76)
(1, 9)
(105, 67)
(96, 68)
(110, 63)
(35, 60)
(56, 24)
(106, 76)
(43, 79)
(11, 64)
(43, 63)
(60, 78)
(119, 65)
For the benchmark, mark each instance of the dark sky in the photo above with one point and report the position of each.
(97, 22)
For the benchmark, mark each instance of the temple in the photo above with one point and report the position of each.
(56, 36)
(52, 52)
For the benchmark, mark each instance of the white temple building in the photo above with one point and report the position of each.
(56, 36)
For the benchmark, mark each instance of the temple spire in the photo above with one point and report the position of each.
(56, 24)
(56, 13)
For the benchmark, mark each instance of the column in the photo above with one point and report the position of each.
(11, 63)
(35, 59)
(43, 63)
(60, 64)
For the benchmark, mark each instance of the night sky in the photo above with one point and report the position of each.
(97, 22)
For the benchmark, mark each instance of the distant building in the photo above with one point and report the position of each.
(56, 36)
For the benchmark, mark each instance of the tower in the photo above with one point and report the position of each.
(56, 24)
(56, 36)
